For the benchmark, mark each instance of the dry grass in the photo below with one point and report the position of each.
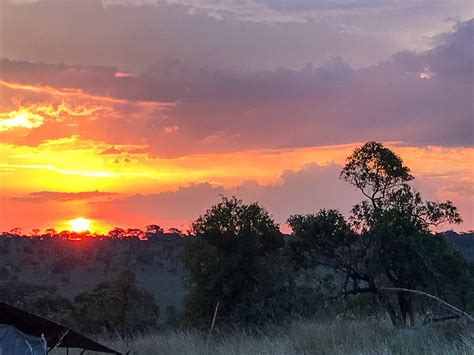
(311, 337)
(304, 337)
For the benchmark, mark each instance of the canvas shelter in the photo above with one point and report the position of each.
(15, 342)
(24, 330)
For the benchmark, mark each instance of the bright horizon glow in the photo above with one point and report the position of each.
(21, 118)
(80, 224)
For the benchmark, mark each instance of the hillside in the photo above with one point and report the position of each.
(464, 242)
(72, 267)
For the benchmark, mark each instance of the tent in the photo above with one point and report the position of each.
(14, 342)
(21, 327)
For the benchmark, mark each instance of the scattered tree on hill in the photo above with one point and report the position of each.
(116, 233)
(153, 231)
(50, 232)
(134, 233)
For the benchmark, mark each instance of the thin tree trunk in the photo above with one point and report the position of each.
(448, 305)
(394, 317)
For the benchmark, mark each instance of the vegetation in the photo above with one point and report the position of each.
(232, 262)
(312, 337)
(116, 306)
(384, 249)
(387, 243)
(333, 279)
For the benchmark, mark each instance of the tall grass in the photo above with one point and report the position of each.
(312, 337)
(309, 337)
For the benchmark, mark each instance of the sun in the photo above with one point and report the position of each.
(80, 224)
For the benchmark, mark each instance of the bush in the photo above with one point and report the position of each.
(116, 306)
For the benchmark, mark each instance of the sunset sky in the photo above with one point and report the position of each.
(129, 113)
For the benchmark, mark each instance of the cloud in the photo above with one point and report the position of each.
(283, 181)
(45, 196)
(278, 11)
(301, 191)
(305, 190)
(229, 34)
(419, 98)
(126, 150)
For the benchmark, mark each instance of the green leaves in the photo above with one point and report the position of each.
(325, 233)
(232, 261)
(375, 171)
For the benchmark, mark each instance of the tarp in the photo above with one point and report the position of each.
(14, 342)
(54, 333)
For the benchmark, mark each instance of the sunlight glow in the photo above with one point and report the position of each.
(80, 224)
(425, 74)
(21, 118)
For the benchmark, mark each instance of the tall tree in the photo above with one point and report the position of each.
(229, 263)
(388, 243)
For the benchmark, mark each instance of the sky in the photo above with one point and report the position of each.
(130, 113)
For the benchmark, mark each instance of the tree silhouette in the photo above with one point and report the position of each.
(388, 243)
(229, 262)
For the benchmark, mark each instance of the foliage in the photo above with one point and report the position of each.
(375, 170)
(117, 306)
(233, 261)
(41, 300)
(48, 304)
(388, 243)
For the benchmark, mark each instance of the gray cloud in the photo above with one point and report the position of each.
(419, 98)
(232, 34)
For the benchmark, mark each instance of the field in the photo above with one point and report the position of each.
(312, 337)
(71, 268)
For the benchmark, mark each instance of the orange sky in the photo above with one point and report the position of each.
(75, 165)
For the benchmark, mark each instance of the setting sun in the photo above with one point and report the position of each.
(80, 225)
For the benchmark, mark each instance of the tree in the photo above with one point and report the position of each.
(229, 262)
(50, 232)
(388, 243)
(153, 231)
(134, 233)
(376, 171)
(176, 232)
(16, 231)
(116, 233)
(117, 306)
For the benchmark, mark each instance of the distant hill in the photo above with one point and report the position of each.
(72, 267)
(464, 242)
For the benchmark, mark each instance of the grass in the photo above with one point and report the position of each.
(311, 337)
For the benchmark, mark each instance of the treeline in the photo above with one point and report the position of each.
(151, 232)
